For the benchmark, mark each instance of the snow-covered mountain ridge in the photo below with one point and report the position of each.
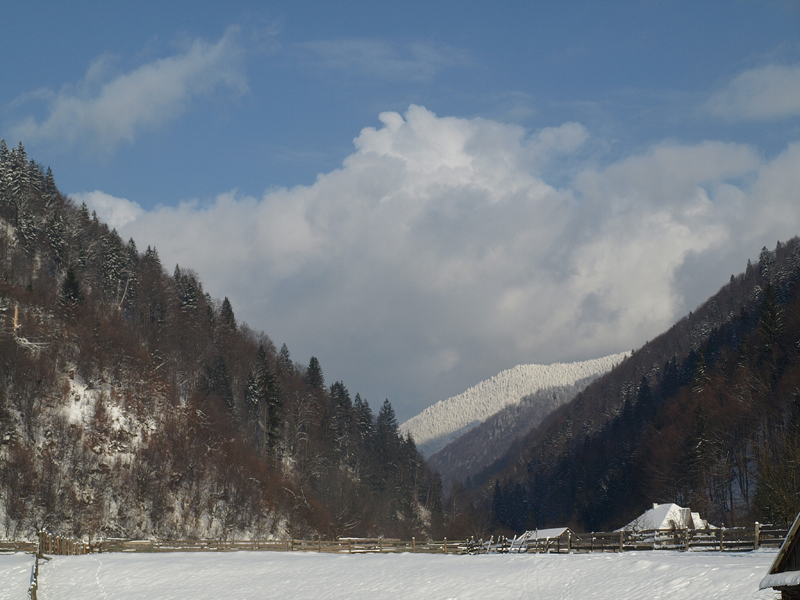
(441, 423)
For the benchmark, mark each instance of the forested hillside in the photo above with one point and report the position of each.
(134, 404)
(445, 421)
(478, 448)
(706, 415)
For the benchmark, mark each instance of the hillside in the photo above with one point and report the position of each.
(478, 448)
(441, 423)
(706, 415)
(134, 404)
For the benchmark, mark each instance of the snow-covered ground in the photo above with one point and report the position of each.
(15, 575)
(250, 575)
(440, 424)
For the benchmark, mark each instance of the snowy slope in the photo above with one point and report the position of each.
(438, 425)
(479, 447)
(251, 575)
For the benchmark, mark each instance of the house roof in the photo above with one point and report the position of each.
(667, 516)
(778, 576)
(548, 534)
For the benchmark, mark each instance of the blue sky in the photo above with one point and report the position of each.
(424, 193)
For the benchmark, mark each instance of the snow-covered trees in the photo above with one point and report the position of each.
(143, 408)
(703, 416)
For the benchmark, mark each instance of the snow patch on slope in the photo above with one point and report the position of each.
(440, 424)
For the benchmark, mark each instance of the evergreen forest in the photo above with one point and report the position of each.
(132, 404)
(707, 415)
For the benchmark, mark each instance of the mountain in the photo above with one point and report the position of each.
(133, 404)
(478, 448)
(706, 415)
(443, 422)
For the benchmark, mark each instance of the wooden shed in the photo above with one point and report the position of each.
(784, 574)
(557, 539)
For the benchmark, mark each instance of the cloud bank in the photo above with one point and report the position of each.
(439, 254)
(116, 212)
(105, 112)
(765, 93)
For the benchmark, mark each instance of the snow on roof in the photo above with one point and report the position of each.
(548, 534)
(544, 534)
(776, 578)
(785, 579)
(667, 516)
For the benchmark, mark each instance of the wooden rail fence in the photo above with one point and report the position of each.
(341, 546)
(55, 544)
(722, 539)
(12, 546)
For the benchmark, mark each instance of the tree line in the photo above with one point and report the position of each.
(707, 415)
(132, 403)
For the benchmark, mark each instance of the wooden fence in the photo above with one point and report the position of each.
(55, 544)
(11, 546)
(341, 546)
(722, 539)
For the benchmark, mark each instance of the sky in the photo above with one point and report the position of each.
(423, 194)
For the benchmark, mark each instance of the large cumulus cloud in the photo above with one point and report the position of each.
(439, 254)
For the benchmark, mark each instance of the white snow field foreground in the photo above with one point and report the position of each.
(251, 575)
(15, 575)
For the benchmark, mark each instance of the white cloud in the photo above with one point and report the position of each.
(418, 61)
(116, 212)
(435, 256)
(770, 92)
(105, 111)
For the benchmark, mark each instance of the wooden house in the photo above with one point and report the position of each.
(784, 575)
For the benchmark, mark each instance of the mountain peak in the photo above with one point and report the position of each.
(441, 423)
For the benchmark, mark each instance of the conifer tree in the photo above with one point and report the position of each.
(227, 320)
(71, 294)
(314, 377)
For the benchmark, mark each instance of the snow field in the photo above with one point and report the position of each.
(15, 575)
(254, 575)
(441, 423)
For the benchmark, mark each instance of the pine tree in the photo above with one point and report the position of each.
(314, 378)
(226, 318)
(273, 399)
(364, 420)
(217, 383)
(283, 364)
(71, 294)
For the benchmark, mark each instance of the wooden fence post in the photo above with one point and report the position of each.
(620, 541)
(721, 548)
(757, 533)
(413, 544)
(687, 537)
(445, 545)
(569, 542)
